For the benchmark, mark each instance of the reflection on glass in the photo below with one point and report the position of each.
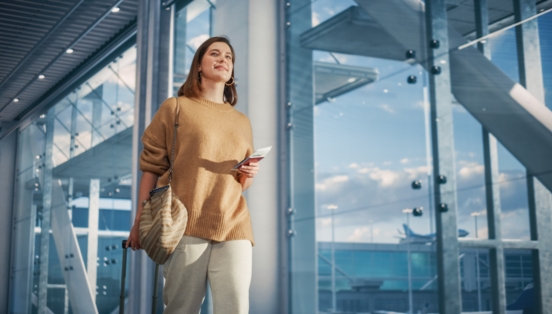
(470, 174)
(371, 143)
(476, 283)
(519, 280)
(193, 25)
(513, 197)
(61, 190)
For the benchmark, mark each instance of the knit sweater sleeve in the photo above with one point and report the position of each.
(155, 156)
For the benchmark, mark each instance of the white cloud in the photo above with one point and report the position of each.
(417, 172)
(353, 165)
(325, 222)
(386, 107)
(384, 177)
(315, 19)
(198, 40)
(421, 104)
(405, 161)
(358, 234)
(331, 182)
(470, 169)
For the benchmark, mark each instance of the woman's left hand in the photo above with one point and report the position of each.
(250, 170)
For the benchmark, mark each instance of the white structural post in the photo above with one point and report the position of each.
(408, 240)
(251, 26)
(93, 218)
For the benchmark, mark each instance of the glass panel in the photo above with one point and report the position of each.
(513, 197)
(470, 175)
(56, 201)
(193, 25)
(545, 33)
(519, 280)
(476, 282)
(371, 142)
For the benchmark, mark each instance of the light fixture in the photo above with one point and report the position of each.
(385, 90)
(483, 41)
(41, 77)
(352, 79)
(115, 9)
(42, 116)
(16, 100)
(69, 50)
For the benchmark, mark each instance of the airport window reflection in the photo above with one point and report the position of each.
(374, 149)
(73, 195)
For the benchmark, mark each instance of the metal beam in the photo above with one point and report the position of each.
(93, 220)
(303, 251)
(8, 148)
(45, 222)
(69, 254)
(494, 244)
(540, 203)
(443, 158)
(492, 189)
(153, 86)
(23, 223)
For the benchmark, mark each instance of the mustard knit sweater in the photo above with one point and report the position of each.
(211, 139)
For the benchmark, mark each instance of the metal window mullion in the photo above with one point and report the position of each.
(539, 198)
(492, 189)
(45, 225)
(153, 66)
(443, 160)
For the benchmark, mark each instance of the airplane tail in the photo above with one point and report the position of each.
(408, 232)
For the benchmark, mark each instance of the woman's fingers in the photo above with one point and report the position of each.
(250, 170)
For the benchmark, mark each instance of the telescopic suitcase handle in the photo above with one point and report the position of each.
(123, 282)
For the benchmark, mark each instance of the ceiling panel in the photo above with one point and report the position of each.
(34, 35)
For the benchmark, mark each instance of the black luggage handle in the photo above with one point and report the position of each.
(123, 282)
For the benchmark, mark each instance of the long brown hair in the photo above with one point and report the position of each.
(192, 86)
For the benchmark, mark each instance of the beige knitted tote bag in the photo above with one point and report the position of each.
(164, 217)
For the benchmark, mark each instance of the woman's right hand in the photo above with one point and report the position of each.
(133, 240)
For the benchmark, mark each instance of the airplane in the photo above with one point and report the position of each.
(410, 236)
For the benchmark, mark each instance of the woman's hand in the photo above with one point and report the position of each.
(249, 170)
(133, 240)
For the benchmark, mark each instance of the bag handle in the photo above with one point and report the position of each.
(174, 140)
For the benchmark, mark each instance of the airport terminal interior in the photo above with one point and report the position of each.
(411, 165)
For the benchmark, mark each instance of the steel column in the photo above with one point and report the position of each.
(8, 148)
(93, 219)
(443, 158)
(45, 224)
(153, 80)
(24, 221)
(492, 189)
(303, 280)
(540, 204)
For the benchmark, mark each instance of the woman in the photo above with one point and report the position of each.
(212, 137)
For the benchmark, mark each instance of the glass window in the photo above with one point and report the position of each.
(73, 196)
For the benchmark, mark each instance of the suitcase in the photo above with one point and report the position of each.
(123, 279)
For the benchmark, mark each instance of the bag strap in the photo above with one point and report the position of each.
(174, 140)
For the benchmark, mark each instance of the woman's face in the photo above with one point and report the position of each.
(217, 63)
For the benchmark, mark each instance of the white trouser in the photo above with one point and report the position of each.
(227, 266)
